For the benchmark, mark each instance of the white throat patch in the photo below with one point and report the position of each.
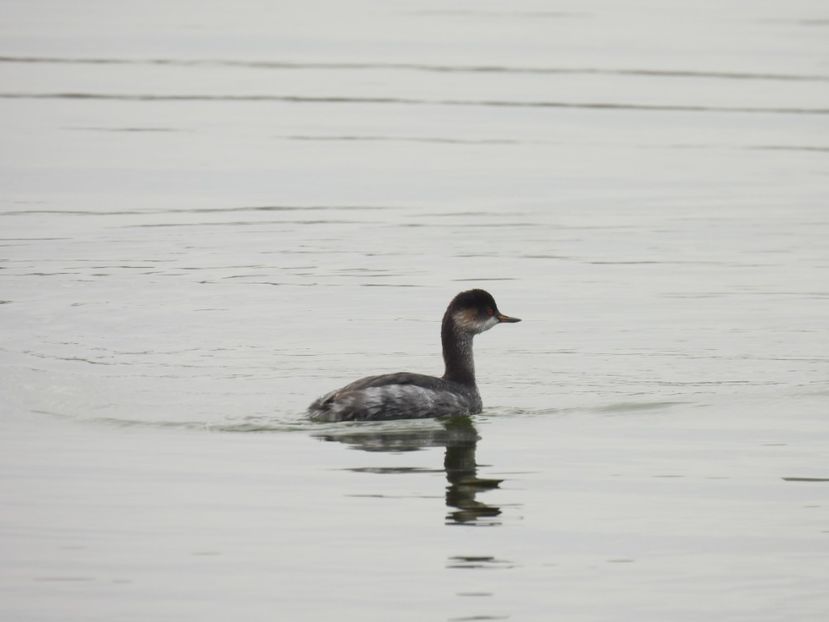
(468, 321)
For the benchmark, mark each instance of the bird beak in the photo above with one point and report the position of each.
(505, 318)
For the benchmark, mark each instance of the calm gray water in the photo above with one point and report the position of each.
(212, 214)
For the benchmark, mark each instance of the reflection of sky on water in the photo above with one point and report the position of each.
(212, 213)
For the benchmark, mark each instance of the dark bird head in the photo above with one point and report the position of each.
(475, 311)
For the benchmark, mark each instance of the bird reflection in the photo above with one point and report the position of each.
(461, 468)
(459, 438)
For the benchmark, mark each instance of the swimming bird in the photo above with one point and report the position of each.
(405, 395)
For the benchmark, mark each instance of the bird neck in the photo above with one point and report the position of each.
(457, 353)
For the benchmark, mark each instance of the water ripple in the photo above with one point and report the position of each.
(423, 67)
(198, 210)
(412, 139)
(336, 99)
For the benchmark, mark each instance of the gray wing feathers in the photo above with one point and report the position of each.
(393, 396)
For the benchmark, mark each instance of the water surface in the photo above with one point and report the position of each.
(211, 216)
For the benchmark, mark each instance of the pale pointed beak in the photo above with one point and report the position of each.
(505, 318)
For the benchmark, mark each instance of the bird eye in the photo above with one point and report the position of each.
(490, 311)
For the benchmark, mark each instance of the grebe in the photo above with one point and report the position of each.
(405, 395)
